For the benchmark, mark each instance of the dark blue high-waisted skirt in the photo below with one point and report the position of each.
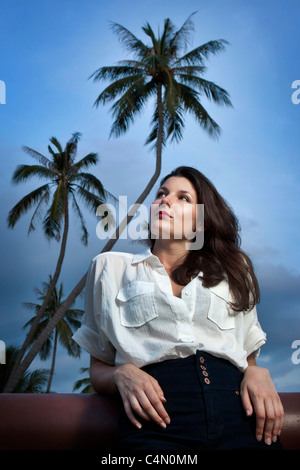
(204, 405)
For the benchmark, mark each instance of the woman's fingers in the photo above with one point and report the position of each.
(148, 409)
(259, 396)
(269, 419)
(142, 396)
(129, 412)
(278, 414)
(158, 389)
(153, 406)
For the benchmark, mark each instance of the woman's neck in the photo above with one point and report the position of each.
(170, 254)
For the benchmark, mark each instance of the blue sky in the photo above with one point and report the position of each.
(48, 49)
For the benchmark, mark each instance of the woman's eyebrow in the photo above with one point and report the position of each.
(180, 190)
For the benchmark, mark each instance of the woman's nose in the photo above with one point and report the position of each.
(166, 200)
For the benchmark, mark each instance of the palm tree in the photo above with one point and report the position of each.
(30, 382)
(174, 81)
(85, 382)
(176, 84)
(66, 180)
(63, 331)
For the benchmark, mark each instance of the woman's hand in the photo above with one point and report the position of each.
(258, 392)
(141, 394)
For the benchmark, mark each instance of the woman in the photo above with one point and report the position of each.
(174, 329)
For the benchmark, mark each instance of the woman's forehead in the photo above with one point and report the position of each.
(179, 183)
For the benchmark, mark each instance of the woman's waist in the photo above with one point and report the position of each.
(195, 373)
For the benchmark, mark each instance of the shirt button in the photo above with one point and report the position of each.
(188, 292)
(201, 359)
(207, 381)
(205, 373)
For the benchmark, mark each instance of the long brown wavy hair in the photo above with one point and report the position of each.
(220, 256)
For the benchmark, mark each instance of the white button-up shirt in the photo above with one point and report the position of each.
(132, 316)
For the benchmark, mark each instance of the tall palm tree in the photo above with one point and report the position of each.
(30, 382)
(63, 331)
(175, 82)
(67, 180)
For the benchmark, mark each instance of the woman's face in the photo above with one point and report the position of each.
(174, 210)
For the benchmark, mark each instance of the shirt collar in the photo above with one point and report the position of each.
(152, 259)
(143, 255)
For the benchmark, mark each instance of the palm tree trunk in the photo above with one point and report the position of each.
(53, 361)
(111, 242)
(16, 374)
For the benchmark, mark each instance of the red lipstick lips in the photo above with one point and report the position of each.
(162, 214)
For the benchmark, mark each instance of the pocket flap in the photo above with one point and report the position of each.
(135, 288)
(220, 312)
(222, 318)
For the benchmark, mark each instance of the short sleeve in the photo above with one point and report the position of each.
(90, 336)
(255, 337)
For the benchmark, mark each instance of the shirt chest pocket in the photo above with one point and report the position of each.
(136, 302)
(220, 313)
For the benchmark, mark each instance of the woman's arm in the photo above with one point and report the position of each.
(140, 392)
(258, 392)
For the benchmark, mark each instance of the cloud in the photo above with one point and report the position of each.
(279, 313)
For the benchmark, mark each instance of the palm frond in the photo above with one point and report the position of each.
(117, 87)
(33, 381)
(58, 203)
(25, 204)
(90, 199)
(191, 104)
(175, 125)
(123, 69)
(85, 162)
(37, 214)
(57, 144)
(212, 91)
(149, 32)
(24, 172)
(71, 147)
(89, 181)
(152, 137)
(197, 55)
(53, 218)
(130, 104)
(41, 158)
(189, 70)
(85, 383)
(166, 36)
(181, 38)
(85, 235)
(30, 306)
(130, 41)
(65, 334)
